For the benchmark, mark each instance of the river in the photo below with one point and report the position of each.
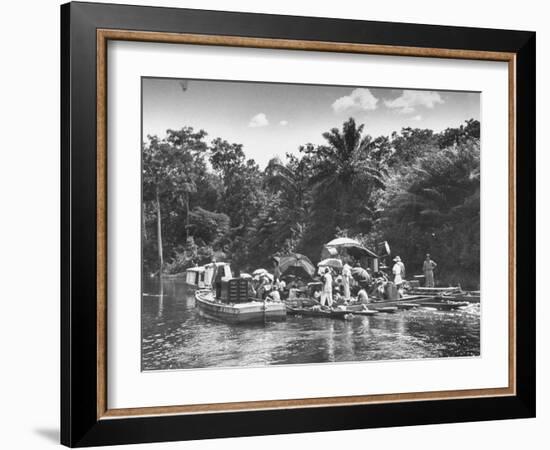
(175, 336)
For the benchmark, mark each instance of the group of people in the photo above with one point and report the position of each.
(428, 268)
(338, 288)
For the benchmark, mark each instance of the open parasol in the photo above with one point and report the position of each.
(360, 274)
(259, 272)
(296, 264)
(331, 262)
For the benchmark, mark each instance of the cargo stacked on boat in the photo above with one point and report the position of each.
(234, 290)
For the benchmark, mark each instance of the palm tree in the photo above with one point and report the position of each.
(291, 180)
(345, 170)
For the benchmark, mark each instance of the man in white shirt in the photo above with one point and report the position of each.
(326, 295)
(398, 271)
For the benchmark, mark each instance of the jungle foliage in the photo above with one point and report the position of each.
(416, 189)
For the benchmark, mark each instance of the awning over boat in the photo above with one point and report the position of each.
(351, 246)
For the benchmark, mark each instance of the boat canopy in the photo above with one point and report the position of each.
(351, 246)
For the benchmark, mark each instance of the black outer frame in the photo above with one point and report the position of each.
(79, 424)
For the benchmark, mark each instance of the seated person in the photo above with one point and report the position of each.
(338, 298)
(274, 296)
(362, 296)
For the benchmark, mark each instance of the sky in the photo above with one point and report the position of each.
(272, 119)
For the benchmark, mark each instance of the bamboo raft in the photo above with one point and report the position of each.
(306, 306)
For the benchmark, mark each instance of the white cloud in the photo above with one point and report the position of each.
(259, 120)
(359, 100)
(418, 117)
(283, 123)
(408, 101)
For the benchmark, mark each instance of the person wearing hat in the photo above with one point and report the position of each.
(428, 268)
(398, 271)
(261, 292)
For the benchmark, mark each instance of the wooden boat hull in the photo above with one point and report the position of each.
(345, 314)
(407, 299)
(342, 314)
(463, 298)
(308, 312)
(407, 306)
(249, 312)
(444, 306)
(385, 309)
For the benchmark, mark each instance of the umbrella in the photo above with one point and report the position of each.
(296, 272)
(360, 274)
(331, 262)
(258, 272)
(266, 275)
(297, 264)
(353, 247)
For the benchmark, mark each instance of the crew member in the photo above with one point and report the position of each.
(428, 268)
(398, 271)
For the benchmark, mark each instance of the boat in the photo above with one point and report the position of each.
(466, 296)
(250, 311)
(435, 291)
(346, 314)
(385, 309)
(444, 306)
(310, 312)
(407, 306)
(341, 312)
(406, 300)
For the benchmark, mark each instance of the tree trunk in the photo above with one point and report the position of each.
(187, 216)
(144, 222)
(159, 234)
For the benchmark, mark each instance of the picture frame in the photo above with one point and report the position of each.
(86, 418)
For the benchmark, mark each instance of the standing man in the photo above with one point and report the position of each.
(326, 295)
(428, 268)
(276, 269)
(398, 271)
(346, 278)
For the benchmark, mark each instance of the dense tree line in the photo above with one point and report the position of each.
(416, 189)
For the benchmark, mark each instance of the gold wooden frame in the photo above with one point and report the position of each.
(104, 35)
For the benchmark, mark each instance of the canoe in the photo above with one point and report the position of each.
(407, 299)
(406, 306)
(310, 312)
(463, 297)
(444, 306)
(301, 302)
(435, 290)
(342, 314)
(247, 312)
(385, 309)
(365, 312)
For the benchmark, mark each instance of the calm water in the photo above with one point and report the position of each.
(174, 336)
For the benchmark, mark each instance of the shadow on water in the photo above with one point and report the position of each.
(175, 336)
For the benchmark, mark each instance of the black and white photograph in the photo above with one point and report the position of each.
(301, 224)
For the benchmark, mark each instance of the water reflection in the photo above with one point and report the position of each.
(175, 336)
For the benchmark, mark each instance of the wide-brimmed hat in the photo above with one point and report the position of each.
(397, 259)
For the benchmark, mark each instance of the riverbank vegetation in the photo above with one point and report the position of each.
(416, 189)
